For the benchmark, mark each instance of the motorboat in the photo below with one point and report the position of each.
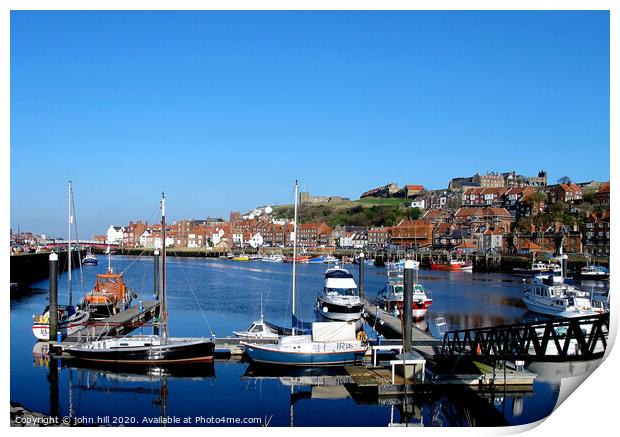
(339, 299)
(401, 264)
(536, 269)
(592, 273)
(90, 260)
(275, 258)
(109, 295)
(259, 329)
(549, 294)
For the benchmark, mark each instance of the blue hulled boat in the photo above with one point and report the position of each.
(330, 344)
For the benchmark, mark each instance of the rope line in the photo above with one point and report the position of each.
(193, 294)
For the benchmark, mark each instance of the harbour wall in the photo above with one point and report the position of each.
(30, 267)
(481, 263)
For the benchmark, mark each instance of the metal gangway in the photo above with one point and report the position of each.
(574, 339)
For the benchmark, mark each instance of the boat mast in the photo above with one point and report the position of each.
(164, 310)
(294, 257)
(69, 247)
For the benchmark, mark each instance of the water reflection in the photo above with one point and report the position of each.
(230, 294)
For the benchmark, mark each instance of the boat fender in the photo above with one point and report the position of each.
(325, 309)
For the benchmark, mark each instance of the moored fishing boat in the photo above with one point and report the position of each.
(392, 296)
(240, 258)
(90, 260)
(452, 265)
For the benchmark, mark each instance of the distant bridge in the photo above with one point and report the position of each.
(575, 339)
(85, 243)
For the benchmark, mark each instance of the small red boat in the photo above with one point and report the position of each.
(298, 259)
(452, 265)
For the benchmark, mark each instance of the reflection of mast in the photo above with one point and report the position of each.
(292, 411)
(163, 396)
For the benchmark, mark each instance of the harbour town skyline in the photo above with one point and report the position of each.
(223, 110)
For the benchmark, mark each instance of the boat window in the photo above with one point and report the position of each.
(257, 328)
(124, 344)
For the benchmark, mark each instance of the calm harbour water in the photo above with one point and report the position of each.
(216, 296)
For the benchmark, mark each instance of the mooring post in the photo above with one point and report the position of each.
(407, 302)
(361, 278)
(53, 297)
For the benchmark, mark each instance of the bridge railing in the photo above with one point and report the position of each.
(579, 338)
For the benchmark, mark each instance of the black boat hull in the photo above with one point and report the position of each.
(165, 354)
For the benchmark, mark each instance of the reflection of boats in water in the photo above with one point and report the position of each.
(123, 372)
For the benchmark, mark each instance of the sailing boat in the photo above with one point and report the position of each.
(331, 343)
(70, 318)
(147, 349)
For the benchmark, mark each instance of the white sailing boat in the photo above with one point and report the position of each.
(70, 318)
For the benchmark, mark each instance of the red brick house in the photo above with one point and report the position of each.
(412, 233)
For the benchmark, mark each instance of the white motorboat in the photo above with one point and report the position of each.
(274, 258)
(339, 299)
(260, 330)
(549, 294)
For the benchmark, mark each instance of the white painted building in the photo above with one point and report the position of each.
(115, 234)
(146, 239)
(418, 204)
(238, 239)
(256, 240)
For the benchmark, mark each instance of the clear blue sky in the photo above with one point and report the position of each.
(224, 110)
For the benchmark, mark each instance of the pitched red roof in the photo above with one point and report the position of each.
(604, 188)
(529, 245)
(414, 187)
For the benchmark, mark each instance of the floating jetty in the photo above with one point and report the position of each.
(120, 323)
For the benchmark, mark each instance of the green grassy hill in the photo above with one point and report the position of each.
(363, 212)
